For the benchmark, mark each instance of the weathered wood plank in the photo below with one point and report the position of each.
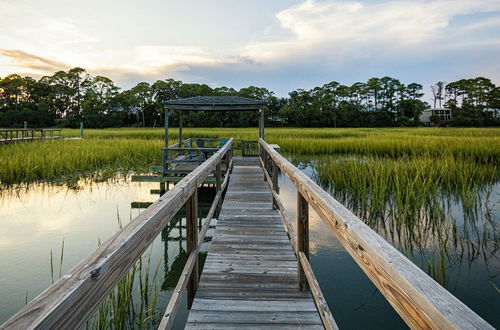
(192, 243)
(224, 326)
(242, 305)
(255, 317)
(302, 238)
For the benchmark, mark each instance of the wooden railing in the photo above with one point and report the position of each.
(416, 297)
(189, 275)
(249, 148)
(68, 303)
(17, 135)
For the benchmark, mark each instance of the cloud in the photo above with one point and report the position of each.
(32, 62)
(307, 44)
(347, 30)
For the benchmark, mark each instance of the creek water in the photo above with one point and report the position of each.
(35, 220)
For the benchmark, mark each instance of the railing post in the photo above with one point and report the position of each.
(302, 238)
(218, 187)
(192, 243)
(264, 162)
(275, 183)
(231, 158)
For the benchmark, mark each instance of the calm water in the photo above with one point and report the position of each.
(36, 220)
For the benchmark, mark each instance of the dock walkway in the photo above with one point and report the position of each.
(250, 275)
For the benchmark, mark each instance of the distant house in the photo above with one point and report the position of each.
(443, 115)
(492, 112)
(132, 110)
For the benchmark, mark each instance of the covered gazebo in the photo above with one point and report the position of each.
(208, 103)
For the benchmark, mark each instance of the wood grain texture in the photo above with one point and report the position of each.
(302, 238)
(192, 244)
(69, 302)
(417, 298)
(249, 277)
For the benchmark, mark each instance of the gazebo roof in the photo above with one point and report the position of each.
(215, 103)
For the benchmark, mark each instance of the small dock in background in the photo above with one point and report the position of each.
(27, 134)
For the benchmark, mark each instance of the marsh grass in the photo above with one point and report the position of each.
(133, 304)
(106, 152)
(67, 161)
(410, 200)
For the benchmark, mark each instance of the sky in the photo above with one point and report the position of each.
(282, 45)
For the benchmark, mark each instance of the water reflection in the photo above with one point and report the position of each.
(36, 219)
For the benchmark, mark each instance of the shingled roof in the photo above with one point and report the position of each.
(215, 103)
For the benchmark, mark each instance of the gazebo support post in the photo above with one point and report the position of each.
(165, 148)
(261, 131)
(261, 124)
(180, 128)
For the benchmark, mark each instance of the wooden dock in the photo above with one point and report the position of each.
(250, 275)
(31, 134)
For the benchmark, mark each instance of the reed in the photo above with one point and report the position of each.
(409, 200)
(133, 304)
(68, 161)
(106, 152)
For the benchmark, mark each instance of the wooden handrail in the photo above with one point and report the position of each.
(70, 301)
(418, 299)
(173, 304)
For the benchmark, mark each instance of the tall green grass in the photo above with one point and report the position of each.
(410, 201)
(133, 303)
(483, 144)
(107, 151)
(65, 161)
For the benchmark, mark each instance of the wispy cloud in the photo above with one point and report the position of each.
(32, 62)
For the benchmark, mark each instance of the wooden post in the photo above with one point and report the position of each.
(275, 183)
(231, 158)
(180, 129)
(302, 238)
(165, 148)
(261, 135)
(264, 163)
(192, 243)
(218, 186)
(261, 124)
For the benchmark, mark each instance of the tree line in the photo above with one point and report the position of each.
(69, 97)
